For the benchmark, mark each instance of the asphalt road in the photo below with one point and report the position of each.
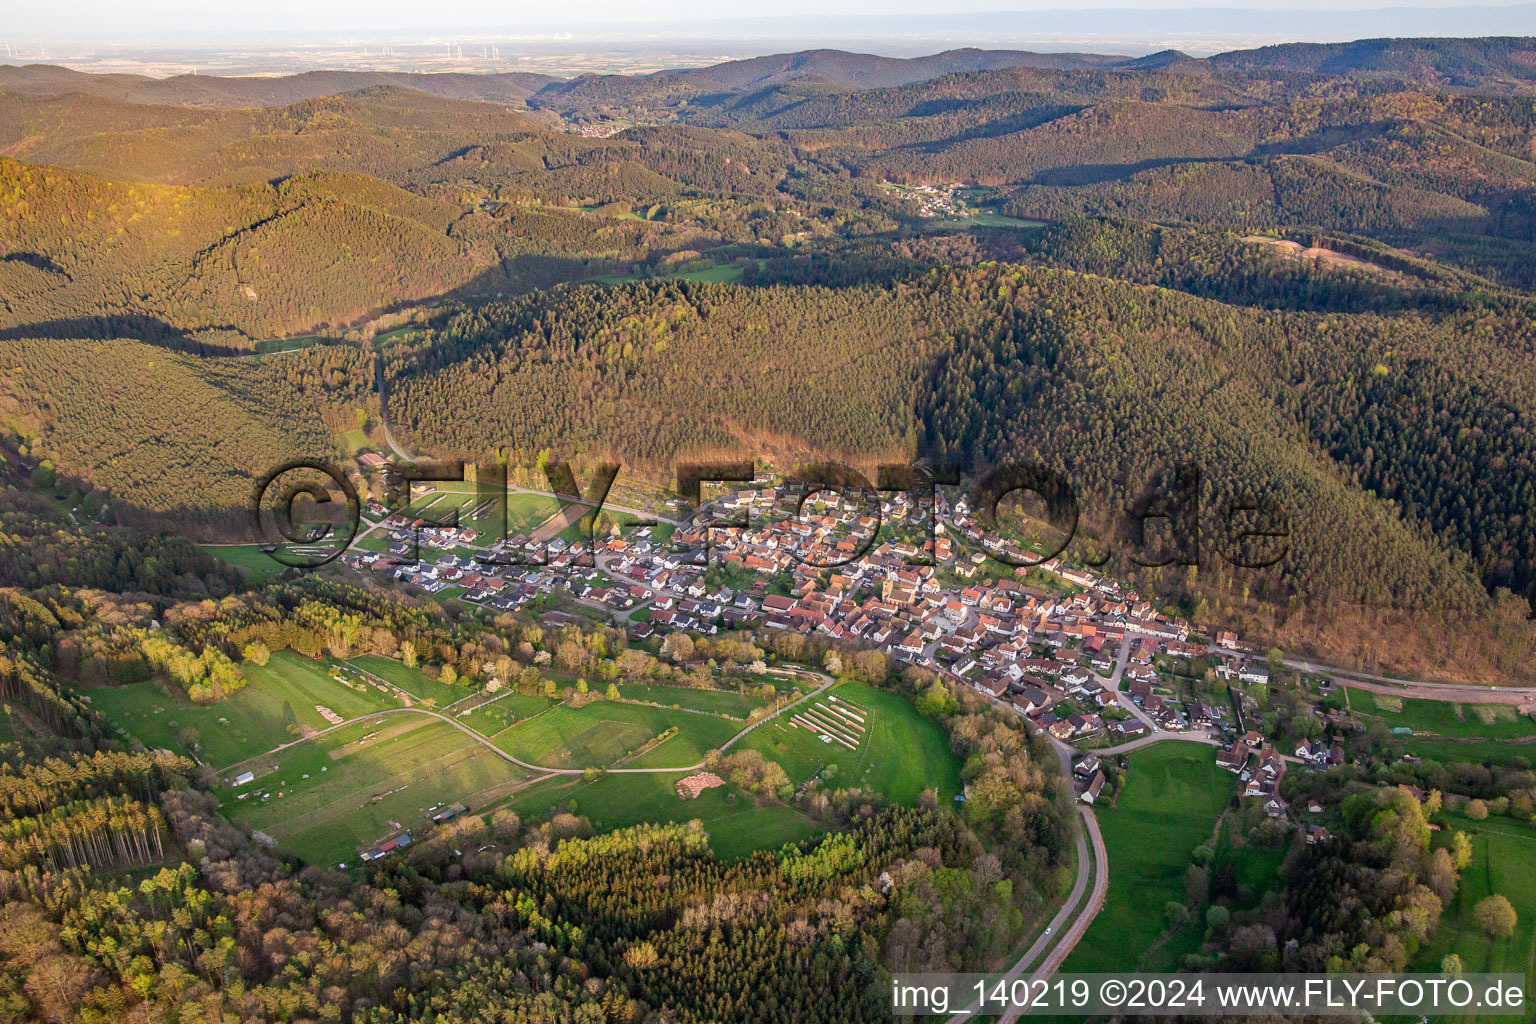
(1066, 929)
(1069, 939)
(1067, 926)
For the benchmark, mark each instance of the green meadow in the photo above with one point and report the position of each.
(325, 798)
(412, 680)
(1443, 717)
(276, 705)
(1500, 752)
(1173, 795)
(723, 273)
(736, 825)
(525, 512)
(901, 754)
(501, 712)
(262, 567)
(353, 440)
(1503, 851)
(274, 346)
(601, 733)
(715, 702)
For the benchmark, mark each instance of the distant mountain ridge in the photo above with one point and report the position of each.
(257, 91)
(869, 71)
(1488, 61)
(1450, 60)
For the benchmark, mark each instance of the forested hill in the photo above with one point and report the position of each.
(1495, 61)
(1319, 283)
(867, 71)
(1499, 61)
(1434, 169)
(213, 229)
(265, 91)
(1392, 439)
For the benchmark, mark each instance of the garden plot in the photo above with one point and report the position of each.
(834, 720)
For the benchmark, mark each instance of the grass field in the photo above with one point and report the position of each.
(412, 680)
(376, 541)
(1471, 751)
(989, 219)
(723, 274)
(476, 510)
(362, 782)
(418, 506)
(599, 734)
(248, 557)
(1503, 851)
(271, 346)
(1172, 797)
(277, 697)
(526, 511)
(365, 782)
(716, 702)
(735, 824)
(1443, 717)
(501, 712)
(902, 753)
(395, 334)
(626, 215)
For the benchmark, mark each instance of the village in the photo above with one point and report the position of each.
(1094, 666)
(931, 200)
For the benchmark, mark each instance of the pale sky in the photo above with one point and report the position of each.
(371, 17)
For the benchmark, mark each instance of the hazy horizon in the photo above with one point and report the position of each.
(294, 20)
(290, 37)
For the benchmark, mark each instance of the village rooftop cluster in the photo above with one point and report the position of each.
(1056, 654)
